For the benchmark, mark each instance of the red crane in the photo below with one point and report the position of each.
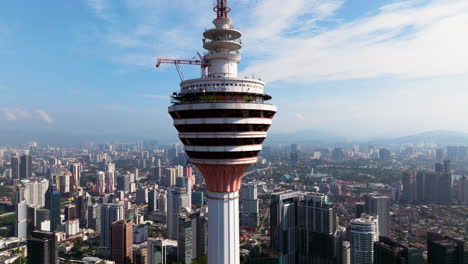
(201, 62)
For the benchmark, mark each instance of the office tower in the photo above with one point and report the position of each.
(384, 154)
(170, 177)
(52, 202)
(337, 154)
(185, 232)
(110, 176)
(162, 251)
(34, 191)
(420, 187)
(444, 249)
(284, 225)
(439, 168)
(184, 182)
(25, 166)
(198, 199)
(452, 153)
(123, 183)
(42, 248)
(202, 234)
(82, 203)
(379, 206)
(122, 242)
(188, 173)
(320, 239)
(109, 214)
(142, 195)
(409, 186)
(447, 168)
(213, 116)
(156, 174)
(101, 183)
(15, 168)
(153, 196)
(445, 188)
(364, 232)
(439, 155)
(294, 155)
(390, 251)
(41, 215)
(162, 202)
(177, 200)
(21, 210)
(463, 191)
(346, 252)
(249, 205)
(94, 217)
(64, 182)
(75, 170)
(140, 234)
(70, 212)
(360, 209)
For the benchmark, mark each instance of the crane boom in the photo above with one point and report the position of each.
(178, 62)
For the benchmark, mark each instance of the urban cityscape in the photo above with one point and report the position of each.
(220, 190)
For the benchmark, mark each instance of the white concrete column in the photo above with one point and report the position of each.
(223, 228)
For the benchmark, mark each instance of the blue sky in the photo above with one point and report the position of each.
(356, 68)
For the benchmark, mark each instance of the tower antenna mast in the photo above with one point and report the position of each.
(222, 9)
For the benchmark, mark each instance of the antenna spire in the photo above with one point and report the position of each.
(222, 9)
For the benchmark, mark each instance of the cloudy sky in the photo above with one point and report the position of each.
(355, 68)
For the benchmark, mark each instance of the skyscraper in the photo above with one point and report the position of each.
(123, 183)
(25, 166)
(52, 202)
(364, 232)
(388, 251)
(122, 242)
(109, 214)
(15, 168)
(42, 248)
(439, 155)
(463, 191)
(284, 225)
(161, 251)
(409, 186)
(186, 231)
(337, 154)
(249, 205)
(222, 120)
(101, 183)
(384, 154)
(21, 210)
(82, 203)
(34, 191)
(444, 249)
(380, 206)
(177, 200)
(110, 176)
(75, 169)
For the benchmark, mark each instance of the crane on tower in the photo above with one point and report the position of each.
(177, 62)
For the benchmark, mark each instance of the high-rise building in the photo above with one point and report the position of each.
(140, 234)
(439, 155)
(123, 183)
(198, 199)
(320, 238)
(110, 213)
(34, 191)
(156, 173)
(82, 203)
(456, 153)
(101, 183)
(15, 168)
(177, 200)
(249, 205)
(70, 212)
(110, 176)
(364, 232)
(25, 166)
(420, 187)
(444, 249)
(294, 154)
(213, 116)
(463, 191)
(52, 202)
(169, 177)
(388, 251)
(380, 206)
(21, 210)
(64, 182)
(153, 196)
(284, 225)
(122, 242)
(162, 251)
(75, 170)
(384, 154)
(409, 186)
(142, 195)
(337, 154)
(42, 248)
(186, 231)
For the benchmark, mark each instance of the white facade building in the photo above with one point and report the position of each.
(364, 232)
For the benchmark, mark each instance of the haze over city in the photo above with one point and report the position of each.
(84, 70)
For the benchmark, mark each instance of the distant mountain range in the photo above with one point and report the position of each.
(439, 137)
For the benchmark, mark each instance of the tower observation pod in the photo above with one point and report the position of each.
(222, 120)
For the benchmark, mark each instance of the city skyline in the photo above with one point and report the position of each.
(359, 69)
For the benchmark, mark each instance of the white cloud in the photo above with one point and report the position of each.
(44, 116)
(405, 40)
(12, 114)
